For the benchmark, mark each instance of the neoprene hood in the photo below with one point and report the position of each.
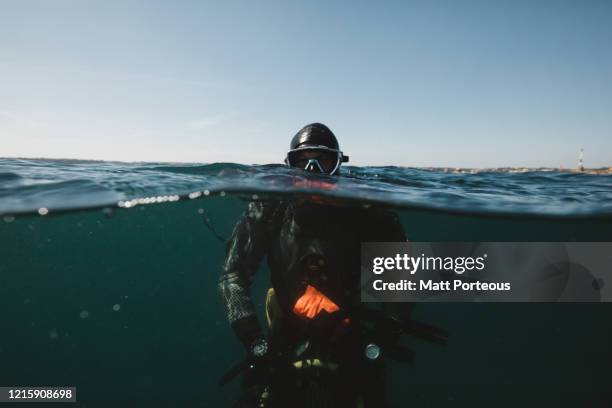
(314, 134)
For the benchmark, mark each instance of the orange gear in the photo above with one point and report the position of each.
(311, 303)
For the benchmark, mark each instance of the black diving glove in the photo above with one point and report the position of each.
(256, 347)
(257, 370)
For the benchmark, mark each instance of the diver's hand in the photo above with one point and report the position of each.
(393, 324)
(257, 369)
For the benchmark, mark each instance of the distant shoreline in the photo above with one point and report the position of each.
(600, 170)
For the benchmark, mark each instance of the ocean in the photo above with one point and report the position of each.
(108, 279)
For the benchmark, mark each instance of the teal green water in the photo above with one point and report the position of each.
(122, 304)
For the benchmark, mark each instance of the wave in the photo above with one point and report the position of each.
(58, 185)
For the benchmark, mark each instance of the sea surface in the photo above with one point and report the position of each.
(108, 275)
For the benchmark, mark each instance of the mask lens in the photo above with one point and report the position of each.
(297, 159)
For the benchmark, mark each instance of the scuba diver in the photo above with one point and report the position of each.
(318, 351)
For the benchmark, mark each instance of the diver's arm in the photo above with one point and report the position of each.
(245, 249)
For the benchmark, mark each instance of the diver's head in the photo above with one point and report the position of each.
(315, 149)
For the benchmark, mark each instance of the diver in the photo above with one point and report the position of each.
(312, 249)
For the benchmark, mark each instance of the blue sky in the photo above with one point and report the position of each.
(430, 83)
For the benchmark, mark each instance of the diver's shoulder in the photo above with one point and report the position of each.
(378, 211)
(383, 215)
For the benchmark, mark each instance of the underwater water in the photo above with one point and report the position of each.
(108, 280)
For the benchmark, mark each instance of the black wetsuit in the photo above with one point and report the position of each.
(299, 237)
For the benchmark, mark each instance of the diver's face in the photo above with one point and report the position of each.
(314, 160)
